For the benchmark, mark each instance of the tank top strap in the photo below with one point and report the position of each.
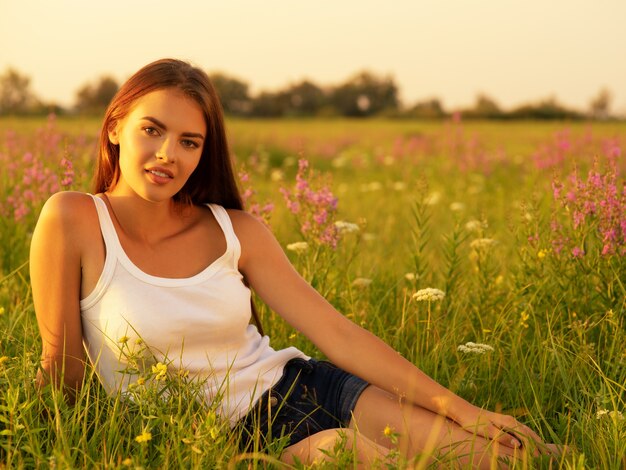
(107, 228)
(232, 242)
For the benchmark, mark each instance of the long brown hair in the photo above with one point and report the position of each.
(213, 180)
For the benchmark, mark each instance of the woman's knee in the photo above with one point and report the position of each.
(332, 444)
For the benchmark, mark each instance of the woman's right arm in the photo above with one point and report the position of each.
(55, 271)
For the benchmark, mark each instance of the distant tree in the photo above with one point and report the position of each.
(600, 105)
(269, 104)
(16, 96)
(304, 98)
(428, 109)
(233, 93)
(94, 98)
(484, 108)
(548, 109)
(365, 94)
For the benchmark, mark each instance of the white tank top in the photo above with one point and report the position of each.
(132, 321)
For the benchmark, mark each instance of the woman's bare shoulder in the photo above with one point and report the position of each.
(246, 225)
(68, 204)
(71, 211)
(253, 235)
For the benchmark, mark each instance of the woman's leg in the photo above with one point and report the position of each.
(422, 432)
(316, 448)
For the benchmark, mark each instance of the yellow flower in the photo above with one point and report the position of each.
(292, 336)
(541, 254)
(160, 370)
(145, 436)
(388, 431)
(3, 359)
(1, 310)
(183, 373)
(524, 316)
(141, 381)
(123, 340)
(127, 462)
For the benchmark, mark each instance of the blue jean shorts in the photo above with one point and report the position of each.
(311, 396)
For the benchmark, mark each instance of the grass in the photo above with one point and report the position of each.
(421, 194)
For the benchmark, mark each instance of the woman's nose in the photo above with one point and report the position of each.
(166, 153)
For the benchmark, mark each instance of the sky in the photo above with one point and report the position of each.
(513, 51)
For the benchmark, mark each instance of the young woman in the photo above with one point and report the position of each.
(163, 252)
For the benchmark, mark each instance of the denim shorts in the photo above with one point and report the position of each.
(311, 396)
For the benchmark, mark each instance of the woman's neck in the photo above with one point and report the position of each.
(146, 221)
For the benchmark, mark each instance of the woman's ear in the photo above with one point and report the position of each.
(114, 137)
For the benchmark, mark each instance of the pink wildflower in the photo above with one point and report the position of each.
(313, 206)
(261, 212)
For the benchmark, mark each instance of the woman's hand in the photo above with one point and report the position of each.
(504, 429)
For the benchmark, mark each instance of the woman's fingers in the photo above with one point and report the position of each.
(489, 430)
(504, 438)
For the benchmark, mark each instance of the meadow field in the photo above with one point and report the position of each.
(522, 226)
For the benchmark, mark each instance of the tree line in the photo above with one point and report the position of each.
(365, 94)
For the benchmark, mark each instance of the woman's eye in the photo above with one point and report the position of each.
(190, 144)
(150, 131)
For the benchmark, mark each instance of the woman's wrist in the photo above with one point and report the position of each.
(451, 406)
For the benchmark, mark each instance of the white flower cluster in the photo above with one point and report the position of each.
(433, 198)
(429, 294)
(298, 247)
(346, 227)
(474, 348)
(361, 282)
(616, 415)
(483, 243)
(475, 225)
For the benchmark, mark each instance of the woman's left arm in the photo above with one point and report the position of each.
(354, 349)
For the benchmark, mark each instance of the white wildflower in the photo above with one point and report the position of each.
(483, 243)
(343, 188)
(371, 187)
(475, 225)
(277, 174)
(361, 282)
(410, 276)
(601, 413)
(344, 227)
(433, 198)
(474, 348)
(430, 294)
(339, 162)
(298, 247)
(615, 415)
(457, 207)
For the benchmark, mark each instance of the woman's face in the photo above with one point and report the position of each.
(160, 143)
